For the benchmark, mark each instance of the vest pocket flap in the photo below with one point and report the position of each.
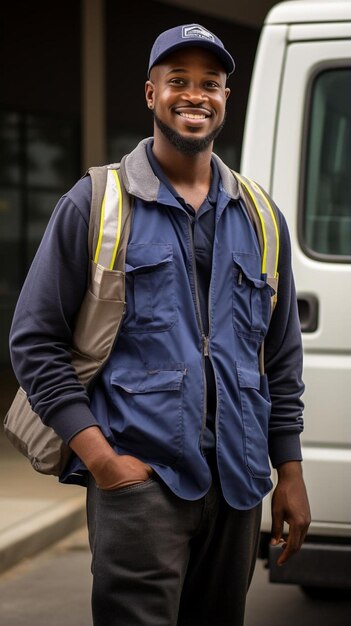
(150, 289)
(147, 381)
(249, 377)
(249, 266)
(144, 258)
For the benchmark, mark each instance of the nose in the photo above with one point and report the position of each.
(194, 94)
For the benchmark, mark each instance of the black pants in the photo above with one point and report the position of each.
(162, 561)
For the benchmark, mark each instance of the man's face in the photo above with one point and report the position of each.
(188, 96)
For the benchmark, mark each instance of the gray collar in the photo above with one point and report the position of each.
(140, 180)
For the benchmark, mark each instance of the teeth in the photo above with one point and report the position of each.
(193, 116)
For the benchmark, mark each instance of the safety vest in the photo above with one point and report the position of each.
(100, 316)
(113, 215)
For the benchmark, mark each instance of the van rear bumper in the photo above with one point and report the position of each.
(316, 565)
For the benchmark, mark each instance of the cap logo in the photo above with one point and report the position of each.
(192, 32)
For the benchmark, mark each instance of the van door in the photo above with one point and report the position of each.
(311, 183)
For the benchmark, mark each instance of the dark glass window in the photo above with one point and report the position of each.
(326, 228)
(40, 107)
(39, 162)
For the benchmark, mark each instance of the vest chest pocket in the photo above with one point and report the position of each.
(150, 290)
(251, 297)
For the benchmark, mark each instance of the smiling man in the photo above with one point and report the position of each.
(174, 439)
(189, 84)
(187, 93)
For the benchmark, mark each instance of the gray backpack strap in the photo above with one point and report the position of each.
(252, 213)
(110, 217)
(101, 314)
(264, 217)
(98, 177)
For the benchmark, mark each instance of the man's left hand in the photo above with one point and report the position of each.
(290, 505)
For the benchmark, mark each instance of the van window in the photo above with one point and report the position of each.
(326, 228)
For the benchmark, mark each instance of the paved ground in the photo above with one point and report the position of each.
(286, 605)
(35, 510)
(53, 589)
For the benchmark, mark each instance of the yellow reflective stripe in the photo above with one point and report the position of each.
(264, 232)
(276, 229)
(119, 223)
(110, 222)
(101, 230)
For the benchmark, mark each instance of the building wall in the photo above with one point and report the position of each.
(43, 103)
(39, 132)
(130, 32)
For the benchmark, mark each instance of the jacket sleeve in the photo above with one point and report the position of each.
(283, 363)
(43, 321)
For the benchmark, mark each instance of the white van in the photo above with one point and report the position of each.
(297, 144)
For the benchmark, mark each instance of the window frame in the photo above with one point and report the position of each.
(318, 69)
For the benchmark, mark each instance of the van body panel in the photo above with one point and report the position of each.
(297, 12)
(264, 90)
(311, 32)
(329, 422)
(297, 145)
(328, 485)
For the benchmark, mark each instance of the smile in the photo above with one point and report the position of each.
(193, 116)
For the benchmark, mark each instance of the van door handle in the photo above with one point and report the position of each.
(308, 312)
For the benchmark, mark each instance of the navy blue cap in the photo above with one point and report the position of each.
(189, 35)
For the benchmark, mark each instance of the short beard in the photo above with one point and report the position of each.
(187, 146)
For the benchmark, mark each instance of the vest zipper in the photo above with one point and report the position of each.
(209, 356)
(204, 338)
(206, 341)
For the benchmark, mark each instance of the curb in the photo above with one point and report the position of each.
(31, 536)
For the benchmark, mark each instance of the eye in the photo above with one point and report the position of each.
(177, 82)
(211, 84)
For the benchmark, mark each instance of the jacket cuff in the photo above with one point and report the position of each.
(70, 419)
(284, 448)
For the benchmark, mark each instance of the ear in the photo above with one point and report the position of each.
(150, 94)
(227, 93)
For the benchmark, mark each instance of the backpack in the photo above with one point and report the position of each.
(103, 305)
(102, 308)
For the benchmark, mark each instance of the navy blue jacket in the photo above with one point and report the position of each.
(150, 399)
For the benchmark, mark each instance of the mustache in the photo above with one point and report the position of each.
(189, 146)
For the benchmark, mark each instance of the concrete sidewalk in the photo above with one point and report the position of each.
(35, 510)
